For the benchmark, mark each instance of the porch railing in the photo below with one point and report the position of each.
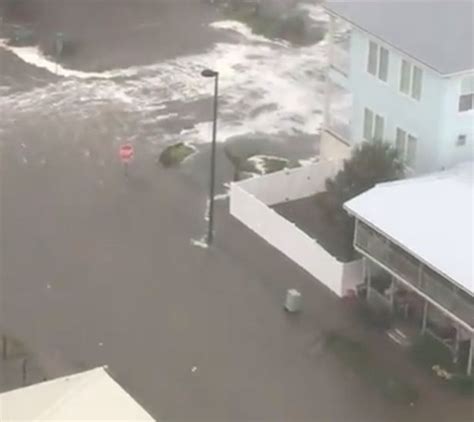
(412, 271)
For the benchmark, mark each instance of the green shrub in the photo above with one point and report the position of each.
(379, 319)
(463, 384)
(356, 355)
(174, 154)
(429, 352)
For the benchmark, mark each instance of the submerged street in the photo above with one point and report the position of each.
(101, 269)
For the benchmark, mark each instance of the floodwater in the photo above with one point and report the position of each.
(102, 269)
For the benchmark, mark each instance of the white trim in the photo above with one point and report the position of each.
(410, 82)
(374, 117)
(377, 64)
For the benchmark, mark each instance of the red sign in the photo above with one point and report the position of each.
(126, 153)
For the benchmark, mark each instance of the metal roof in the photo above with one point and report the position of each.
(88, 396)
(432, 217)
(437, 33)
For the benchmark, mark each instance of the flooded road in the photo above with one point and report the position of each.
(100, 269)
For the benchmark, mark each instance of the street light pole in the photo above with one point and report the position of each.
(210, 229)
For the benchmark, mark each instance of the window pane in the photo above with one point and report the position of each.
(461, 140)
(368, 124)
(372, 61)
(465, 102)
(405, 77)
(400, 143)
(383, 68)
(417, 83)
(411, 151)
(378, 132)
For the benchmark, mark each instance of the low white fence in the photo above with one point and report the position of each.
(291, 184)
(249, 202)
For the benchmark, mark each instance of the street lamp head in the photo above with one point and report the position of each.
(208, 73)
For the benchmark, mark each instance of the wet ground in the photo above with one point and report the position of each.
(101, 269)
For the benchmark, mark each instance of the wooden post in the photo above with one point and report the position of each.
(369, 281)
(470, 357)
(23, 371)
(392, 294)
(425, 317)
(456, 346)
(4, 347)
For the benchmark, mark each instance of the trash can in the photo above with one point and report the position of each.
(293, 300)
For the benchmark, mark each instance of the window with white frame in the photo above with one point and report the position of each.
(466, 99)
(406, 145)
(377, 61)
(411, 80)
(461, 141)
(373, 126)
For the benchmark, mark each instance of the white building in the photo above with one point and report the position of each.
(401, 72)
(88, 396)
(420, 232)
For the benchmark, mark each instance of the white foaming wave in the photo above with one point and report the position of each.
(315, 12)
(245, 31)
(35, 57)
(263, 88)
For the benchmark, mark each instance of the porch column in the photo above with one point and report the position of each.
(471, 356)
(392, 294)
(425, 317)
(4, 347)
(456, 346)
(369, 280)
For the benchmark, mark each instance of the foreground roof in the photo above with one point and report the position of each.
(432, 217)
(438, 33)
(88, 396)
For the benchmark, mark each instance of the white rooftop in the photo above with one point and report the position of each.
(438, 33)
(432, 217)
(88, 396)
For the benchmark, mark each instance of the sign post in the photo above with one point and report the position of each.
(126, 154)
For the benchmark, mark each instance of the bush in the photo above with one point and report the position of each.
(463, 384)
(379, 319)
(174, 154)
(356, 355)
(431, 355)
(428, 353)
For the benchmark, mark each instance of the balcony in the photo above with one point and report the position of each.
(410, 270)
(339, 111)
(341, 58)
(340, 55)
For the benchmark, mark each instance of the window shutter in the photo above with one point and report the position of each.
(417, 83)
(405, 77)
(372, 59)
(411, 151)
(383, 68)
(368, 124)
(379, 126)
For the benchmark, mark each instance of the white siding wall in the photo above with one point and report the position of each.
(423, 119)
(456, 123)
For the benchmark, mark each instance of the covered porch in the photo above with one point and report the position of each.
(413, 313)
(416, 237)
